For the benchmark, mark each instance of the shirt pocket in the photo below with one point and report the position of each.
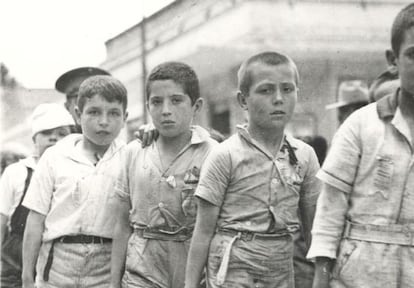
(383, 174)
(345, 263)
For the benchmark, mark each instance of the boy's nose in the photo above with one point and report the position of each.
(103, 120)
(166, 108)
(277, 97)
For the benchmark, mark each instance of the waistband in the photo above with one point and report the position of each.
(83, 239)
(179, 235)
(250, 236)
(398, 234)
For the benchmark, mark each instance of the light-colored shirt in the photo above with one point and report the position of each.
(12, 184)
(75, 196)
(163, 198)
(256, 191)
(371, 165)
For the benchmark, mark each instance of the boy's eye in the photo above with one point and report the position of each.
(410, 53)
(176, 100)
(287, 89)
(156, 101)
(266, 90)
(93, 112)
(63, 133)
(46, 132)
(114, 113)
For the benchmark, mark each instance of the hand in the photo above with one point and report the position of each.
(323, 269)
(147, 134)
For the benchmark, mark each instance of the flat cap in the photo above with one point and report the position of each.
(69, 82)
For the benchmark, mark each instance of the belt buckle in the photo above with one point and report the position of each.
(248, 236)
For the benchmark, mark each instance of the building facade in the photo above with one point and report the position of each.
(331, 41)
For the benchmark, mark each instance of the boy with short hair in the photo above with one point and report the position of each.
(364, 224)
(253, 186)
(157, 184)
(70, 225)
(50, 123)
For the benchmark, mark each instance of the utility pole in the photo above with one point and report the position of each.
(143, 70)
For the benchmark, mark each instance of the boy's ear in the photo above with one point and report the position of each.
(198, 105)
(125, 116)
(242, 99)
(391, 57)
(77, 115)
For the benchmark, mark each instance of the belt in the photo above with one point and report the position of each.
(180, 235)
(398, 234)
(71, 239)
(83, 239)
(245, 236)
(250, 236)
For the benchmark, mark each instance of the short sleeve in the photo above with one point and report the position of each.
(215, 175)
(122, 190)
(39, 194)
(341, 164)
(311, 185)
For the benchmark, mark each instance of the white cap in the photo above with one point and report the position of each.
(350, 92)
(48, 116)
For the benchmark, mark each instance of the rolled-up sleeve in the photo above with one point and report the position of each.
(215, 175)
(122, 191)
(341, 164)
(338, 174)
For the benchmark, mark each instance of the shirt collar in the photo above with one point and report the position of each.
(244, 133)
(29, 162)
(67, 145)
(198, 135)
(387, 105)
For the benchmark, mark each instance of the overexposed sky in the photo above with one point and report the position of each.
(41, 39)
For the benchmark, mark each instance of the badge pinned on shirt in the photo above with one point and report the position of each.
(171, 181)
(192, 176)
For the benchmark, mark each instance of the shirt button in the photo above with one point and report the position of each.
(275, 181)
(160, 204)
(248, 223)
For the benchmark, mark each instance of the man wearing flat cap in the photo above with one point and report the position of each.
(352, 95)
(69, 82)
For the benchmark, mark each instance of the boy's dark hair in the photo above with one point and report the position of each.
(178, 72)
(402, 22)
(244, 75)
(106, 86)
(388, 75)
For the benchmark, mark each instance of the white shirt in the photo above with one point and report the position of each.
(75, 196)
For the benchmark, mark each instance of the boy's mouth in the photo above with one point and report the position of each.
(103, 133)
(278, 113)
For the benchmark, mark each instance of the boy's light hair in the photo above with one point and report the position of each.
(106, 86)
(402, 22)
(181, 73)
(244, 75)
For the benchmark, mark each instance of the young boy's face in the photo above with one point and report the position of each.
(405, 62)
(170, 108)
(47, 138)
(272, 96)
(101, 121)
